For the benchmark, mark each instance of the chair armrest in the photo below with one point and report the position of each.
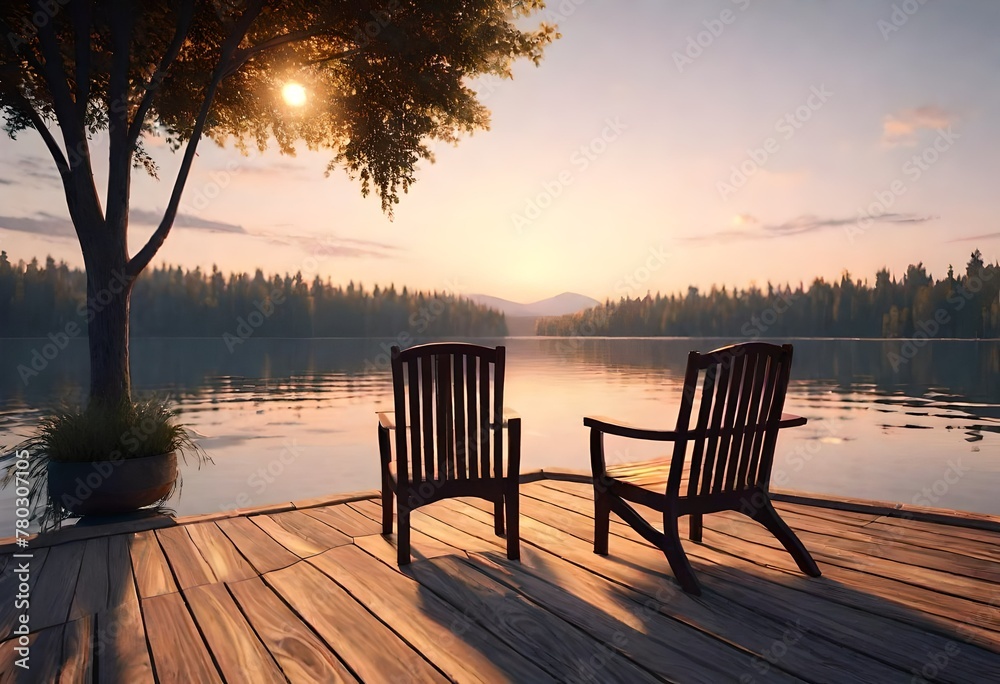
(622, 429)
(791, 420)
(387, 419)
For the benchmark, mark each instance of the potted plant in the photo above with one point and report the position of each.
(105, 460)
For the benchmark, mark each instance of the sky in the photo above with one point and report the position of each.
(657, 146)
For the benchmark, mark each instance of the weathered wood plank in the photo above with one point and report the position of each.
(238, 652)
(219, 552)
(530, 629)
(152, 572)
(302, 656)
(295, 526)
(346, 519)
(264, 553)
(367, 646)
(640, 571)
(120, 643)
(45, 657)
(52, 596)
(786, 599)
(179, 653)
(91, 595)
(932, 540)
(303, 548)
(189, 567)
(77, 652)
(463, 650)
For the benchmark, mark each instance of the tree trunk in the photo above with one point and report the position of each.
(108, 293)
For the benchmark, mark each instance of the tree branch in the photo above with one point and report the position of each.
(119, 146)
(81, 11)
(54, 74)
(43, 130)
(184, 17)
(142, 258)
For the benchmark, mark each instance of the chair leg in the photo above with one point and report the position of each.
(498, 516)
(769, 518)
(513, 525)
(695, 526)
(678, 560)
(387, 504)
(602, 520)
(403, 535)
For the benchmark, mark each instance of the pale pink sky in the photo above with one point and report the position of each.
(609, 170)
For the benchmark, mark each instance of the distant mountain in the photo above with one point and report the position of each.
(560, 305)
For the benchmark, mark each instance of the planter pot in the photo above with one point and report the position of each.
(109, 487)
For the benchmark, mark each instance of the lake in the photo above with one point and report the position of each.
(291, 419)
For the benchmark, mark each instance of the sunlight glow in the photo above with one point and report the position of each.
(294, 94)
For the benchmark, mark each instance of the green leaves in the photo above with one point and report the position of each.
(382, 77)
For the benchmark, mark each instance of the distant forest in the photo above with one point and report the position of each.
(962, 305)
(172, 302)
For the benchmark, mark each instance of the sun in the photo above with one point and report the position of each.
(294, 94)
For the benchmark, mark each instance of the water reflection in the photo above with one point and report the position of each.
(292, 419)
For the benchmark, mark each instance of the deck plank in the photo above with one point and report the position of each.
(237, 650)
(297, 532)
(786, 598)
(302, 656)
(149, 565)
(367, 646)
(345, 519)
(91, 595)
(261, 550)
(52, 596)
(120, 642)
(564, 652)
(77, 652)
(179, 653)
(188, 565)
(220, 553)
(463, 650)
(728, 622)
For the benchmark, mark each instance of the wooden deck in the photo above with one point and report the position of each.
(314, 595)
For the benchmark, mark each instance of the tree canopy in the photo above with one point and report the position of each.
(383, 78)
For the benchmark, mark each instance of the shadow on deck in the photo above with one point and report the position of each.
(314, 594)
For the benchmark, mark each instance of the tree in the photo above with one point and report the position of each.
(384, 77)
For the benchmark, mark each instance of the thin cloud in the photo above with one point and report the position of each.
(5, 181)
(975, 238)
(333, 246)
(903, 128)
(153, 218)
(807, 223)
(43, 223)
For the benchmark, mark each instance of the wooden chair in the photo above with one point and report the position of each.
(727, 468)
(449, 437)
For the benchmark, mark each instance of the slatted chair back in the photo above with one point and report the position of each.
(447, 397)
(736, 395)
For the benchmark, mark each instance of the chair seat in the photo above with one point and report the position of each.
(651, 474)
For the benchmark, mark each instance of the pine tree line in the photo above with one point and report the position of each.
(962, 306)
(173, 302)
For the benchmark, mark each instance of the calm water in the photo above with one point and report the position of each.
(292, 419)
